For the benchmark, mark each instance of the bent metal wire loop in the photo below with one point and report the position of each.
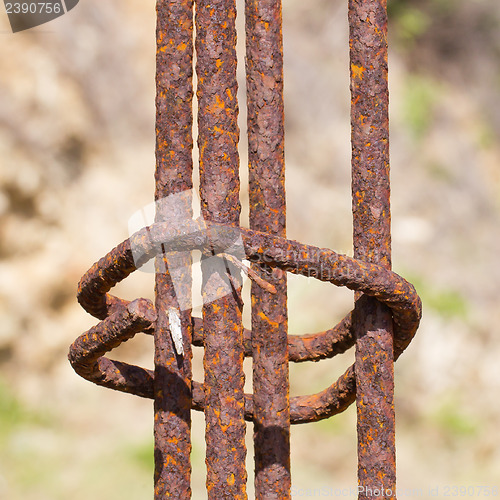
(124, 319)
(387, 308)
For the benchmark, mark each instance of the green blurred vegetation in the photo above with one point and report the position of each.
(37, 444)
(447, 303)
(142, 454)
(395, 7)
(421, 93)
(13, 414)
(339, 425)
(410, 22)
(452, 421)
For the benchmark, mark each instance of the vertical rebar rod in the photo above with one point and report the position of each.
(264, 68)
(372, 243)
(218, 136)
(174, 164)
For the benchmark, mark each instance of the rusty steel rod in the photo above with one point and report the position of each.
(173, 175)
(374, 365)
(218, 136)
(266, 155)
(387, 308)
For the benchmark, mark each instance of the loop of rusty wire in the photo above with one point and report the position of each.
(123, 319)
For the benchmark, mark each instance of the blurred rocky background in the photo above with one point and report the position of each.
(77, 160)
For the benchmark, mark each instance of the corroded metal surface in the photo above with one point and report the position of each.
(174, 165)
(371, 279)
(326, 265)
(271, 405)
(308, 347)
(372, 243)
(288, 255)
(86, 354)
(387, 310)
(218, 136)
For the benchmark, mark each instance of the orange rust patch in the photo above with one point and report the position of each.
(357, 71)
(216, 106)
(267, 320)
